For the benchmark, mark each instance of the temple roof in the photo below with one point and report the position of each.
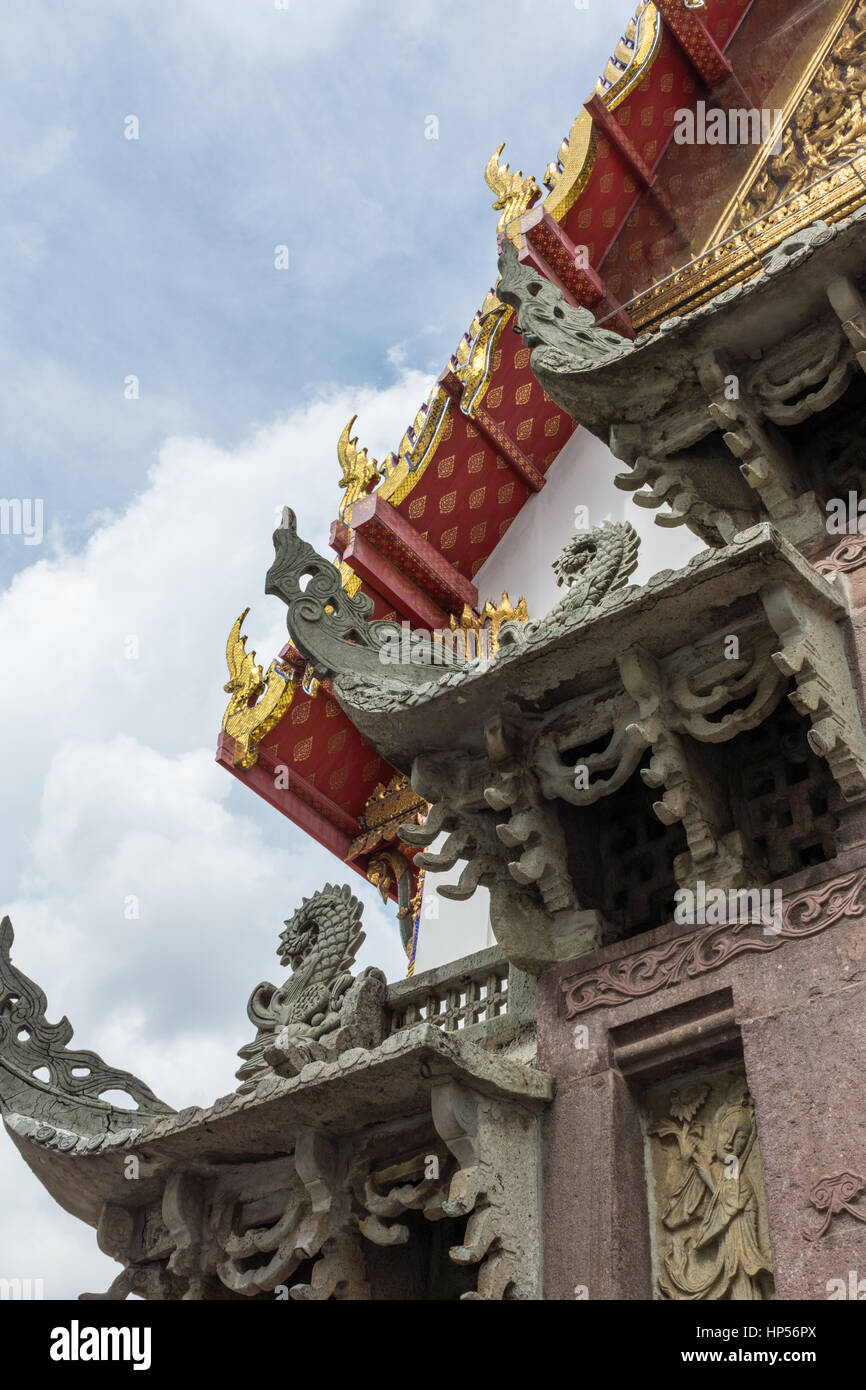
(628, 224)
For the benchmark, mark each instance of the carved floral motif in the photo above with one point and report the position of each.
(834, 1195)
(685, 957)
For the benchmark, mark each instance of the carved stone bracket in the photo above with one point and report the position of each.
(813, 652)
(704, 409)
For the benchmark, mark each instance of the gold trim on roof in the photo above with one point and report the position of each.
(633, 57)
(514, 193)
(474, 356)
(249, 723)
(738, 258)
(824, 124)
(484, 626)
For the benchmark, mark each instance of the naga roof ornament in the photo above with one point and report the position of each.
(249, 723)
(514, 193)
(320, 1010)
(44, 1083)
(548, 324)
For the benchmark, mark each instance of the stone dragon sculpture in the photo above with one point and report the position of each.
(558, 333)
(321, 1009)
(597, 563)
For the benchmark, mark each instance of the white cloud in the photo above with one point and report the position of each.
(112, 792)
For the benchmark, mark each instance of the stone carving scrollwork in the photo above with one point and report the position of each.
(74, 1082)
(633, 977)
(833, 1195)
(849, 555)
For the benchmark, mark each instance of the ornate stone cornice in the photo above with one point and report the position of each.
(696, 953)
(70, 1095)
(730, 379)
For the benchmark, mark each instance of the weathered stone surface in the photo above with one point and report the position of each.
(321, 1010)
(795, 1018)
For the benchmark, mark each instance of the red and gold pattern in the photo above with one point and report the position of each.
(635, 205)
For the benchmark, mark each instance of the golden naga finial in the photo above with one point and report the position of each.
(484, 628)
(358, 471)
(514, 193)
(249, 723)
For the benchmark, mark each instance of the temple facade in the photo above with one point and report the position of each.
(610, 774)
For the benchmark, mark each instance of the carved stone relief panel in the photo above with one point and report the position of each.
(708, 1221)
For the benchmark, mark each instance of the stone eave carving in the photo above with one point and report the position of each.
(495, 746)
(575, 650)
(792, 338)
(363, 1087)
(41, 1078)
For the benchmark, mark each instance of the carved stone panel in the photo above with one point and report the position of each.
(708, 1218)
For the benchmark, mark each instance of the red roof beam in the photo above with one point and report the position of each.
(496, 435)
(303, 804)
(387, 551)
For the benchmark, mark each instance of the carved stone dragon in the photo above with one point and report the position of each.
(321, 1009)
(597, 563)
(556, 330)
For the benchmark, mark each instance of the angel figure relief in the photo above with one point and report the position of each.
(716, 1250)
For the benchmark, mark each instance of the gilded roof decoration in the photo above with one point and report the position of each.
(489, 621)
(387, 808)
(631, 60)
(514, 193)
(358, 472)
(826, 127)
(249, 723)
(473, 361)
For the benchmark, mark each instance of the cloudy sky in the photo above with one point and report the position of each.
(258, 126)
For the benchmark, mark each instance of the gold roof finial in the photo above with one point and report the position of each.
(514, 193)
(357, 470)
(480, 632)
(248, 724)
